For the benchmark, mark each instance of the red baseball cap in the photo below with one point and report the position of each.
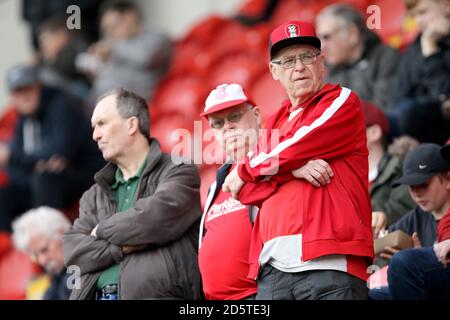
(292, 32)
(374, 115)
(225, 96)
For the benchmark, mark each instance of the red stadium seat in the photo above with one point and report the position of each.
(235, 36)
(175, 133)
(182, 93)
(268, 94)
(5, 242)
(16, 270)
(207, 176)
(193, 57)
(8, 122)
(205, 30)
(237, 67)
(295, 10)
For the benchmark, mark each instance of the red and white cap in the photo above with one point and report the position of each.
(225, 96)
(292, 32)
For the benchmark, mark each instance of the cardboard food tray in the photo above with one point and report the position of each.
(397, 239)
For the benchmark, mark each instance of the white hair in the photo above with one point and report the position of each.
(40, 221)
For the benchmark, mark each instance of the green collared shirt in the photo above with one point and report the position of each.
(124, 191)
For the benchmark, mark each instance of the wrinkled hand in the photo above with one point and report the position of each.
(4, 155)
(132, 249)
(317, 172)
(379, 222)
(233, 183)
(442, 251)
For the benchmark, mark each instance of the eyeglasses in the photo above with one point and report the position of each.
(233, 117)
(305, 59)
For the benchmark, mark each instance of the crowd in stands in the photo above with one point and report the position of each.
(67, 120)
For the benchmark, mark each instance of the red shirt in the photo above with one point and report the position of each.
(444, 227)
(223, 255)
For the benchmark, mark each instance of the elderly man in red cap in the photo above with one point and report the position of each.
(308, 242)
(226, 223)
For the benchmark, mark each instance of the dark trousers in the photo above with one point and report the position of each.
(53, 190)
(274, 284)
(416, 274)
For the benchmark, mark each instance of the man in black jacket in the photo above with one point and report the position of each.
(51, 159)
(422, 89)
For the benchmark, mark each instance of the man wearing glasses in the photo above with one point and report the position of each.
(308, 242)
(226, 224)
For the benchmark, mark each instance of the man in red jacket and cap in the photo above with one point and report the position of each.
(309, 242)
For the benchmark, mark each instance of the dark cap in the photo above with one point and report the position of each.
(445, 151)
(421, 164)
(374, 115)
(292, 32)
(21, 76)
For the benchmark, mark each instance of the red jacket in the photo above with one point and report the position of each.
(336, 219)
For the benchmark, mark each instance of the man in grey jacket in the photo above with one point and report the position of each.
(137, 232)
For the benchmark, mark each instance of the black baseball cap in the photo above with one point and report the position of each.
(421, 164)
(21, 76)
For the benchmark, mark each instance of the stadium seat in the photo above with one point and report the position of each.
(184, 94)
(5, 242)
(207, 177)
(193, 57)
(174, 132)
(268, 94)
(205, 30)
(237, 67)
(295, 10)
(8, 122)
(16, 270)
(235, 36)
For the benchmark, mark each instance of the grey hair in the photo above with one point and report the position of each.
(130, 104)
(43, 220)
(347, 14)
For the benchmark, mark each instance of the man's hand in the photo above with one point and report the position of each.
(55, 164)
(233, 183)
(94, 232)
(432, 34)
(379, 222)
(317, 172)
(4, 155)
(442, 250)
(132, 249)
(389, 252)
(416, 241)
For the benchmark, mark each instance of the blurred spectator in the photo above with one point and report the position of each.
(388, 204)
(51, 159)
(39, 233)
(138, 225)
(58, 48)
(37, 11)
(355, 56)
(422, 87)
(425, 172)
(127, 55)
